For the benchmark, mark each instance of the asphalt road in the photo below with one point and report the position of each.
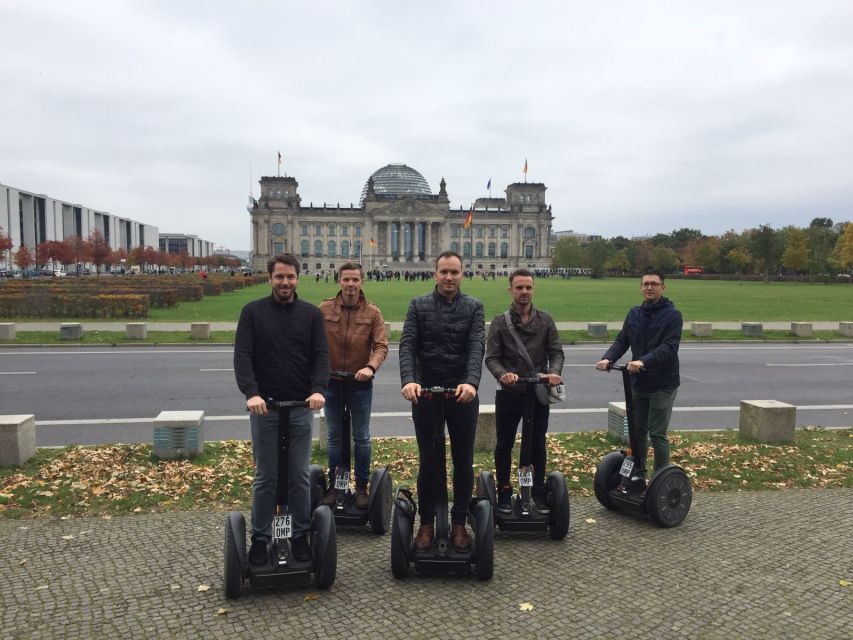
(94, 395)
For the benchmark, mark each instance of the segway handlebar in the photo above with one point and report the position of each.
(531, 380)
(428, 391)
(618, 367)
(285, 404)
(346, 375)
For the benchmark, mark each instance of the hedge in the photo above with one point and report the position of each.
(51, 305)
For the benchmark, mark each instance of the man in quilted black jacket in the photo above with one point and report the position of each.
(442, 344)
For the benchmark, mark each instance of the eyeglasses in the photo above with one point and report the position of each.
(650, 285)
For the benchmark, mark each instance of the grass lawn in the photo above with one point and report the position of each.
(117, 479)
(577, 299)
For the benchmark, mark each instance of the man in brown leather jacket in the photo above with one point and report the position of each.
(355, 331)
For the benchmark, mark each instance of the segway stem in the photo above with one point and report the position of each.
(629, 407)
(346, 417)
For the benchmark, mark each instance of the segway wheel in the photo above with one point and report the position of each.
(486, 489)
(318, 484)
(558, 523)
(607, 477)
(233, 575)
(401, 540)
(380, 508)
(324, 547)
(484, 540)
(669, 496)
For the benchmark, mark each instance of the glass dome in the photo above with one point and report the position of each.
(397, 179)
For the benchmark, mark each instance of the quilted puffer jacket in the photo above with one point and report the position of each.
(443, 341)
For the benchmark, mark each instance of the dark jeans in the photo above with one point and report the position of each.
(509, 409)
(652, 412)
(461, 420)
(360, 398)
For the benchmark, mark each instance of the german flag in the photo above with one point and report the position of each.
(469, 220)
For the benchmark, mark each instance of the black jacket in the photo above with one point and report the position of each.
(443, 341)
(540, 339)
(653, 331)
(280, 350)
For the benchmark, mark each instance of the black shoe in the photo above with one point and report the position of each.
(258, 552)
(330, 497)
(505, 500)
(541, 500)
(301, 550)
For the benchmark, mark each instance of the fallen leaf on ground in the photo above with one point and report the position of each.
(22, 563)
(311, 596)
(41, 587)
(525, 606)
(222, 611)
(203, 587)
(67, 537)
(590, 520)
(844, 583)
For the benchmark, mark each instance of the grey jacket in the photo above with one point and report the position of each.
(540, 338)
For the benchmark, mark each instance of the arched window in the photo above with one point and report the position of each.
(491, 249)
(278, 229)
(466, 250)
(332, 249)
(479, 249)
(504, 250)
(318, 248)
(454, 247)
(357, 249)
(304, 248)
(345, 249)
(529, 232)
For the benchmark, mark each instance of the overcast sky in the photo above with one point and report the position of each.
(639, 117)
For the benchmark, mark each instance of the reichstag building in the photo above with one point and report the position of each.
(400, 224)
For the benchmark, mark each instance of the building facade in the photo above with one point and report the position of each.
(30, 219)
(183, 243)
(401, 225)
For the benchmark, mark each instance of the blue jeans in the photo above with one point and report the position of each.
(360, 399)
(265, 452)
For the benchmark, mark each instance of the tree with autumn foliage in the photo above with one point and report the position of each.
(5, 246)
(844, 248)
(101, 251)
(24, 257)
(80, 249)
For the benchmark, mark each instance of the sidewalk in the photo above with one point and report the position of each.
(396, 326)
(742, 565)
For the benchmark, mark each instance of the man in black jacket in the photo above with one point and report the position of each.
(442, 345)
(653, 332)
(538, 333)
(280, 352)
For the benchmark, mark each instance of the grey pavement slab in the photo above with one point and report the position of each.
(742, 565)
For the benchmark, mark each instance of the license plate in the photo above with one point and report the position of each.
(525, 477)
(282, 527)
(342, 480)
(627, 468)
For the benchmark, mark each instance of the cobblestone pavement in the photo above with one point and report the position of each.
(747, 565)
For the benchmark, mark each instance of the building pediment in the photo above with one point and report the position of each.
(407, 208)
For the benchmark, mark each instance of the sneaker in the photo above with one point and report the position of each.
(423, 541)
(505, 499)
(541, 500)
(361, 497)
(258, 552)
(330, 497)
(301, 550)
(459, 538)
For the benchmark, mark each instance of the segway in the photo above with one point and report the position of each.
(378, 512)
(667, 497)
(441, 557)
(281, 568)
(525, 516)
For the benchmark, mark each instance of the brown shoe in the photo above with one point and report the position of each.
(459, 538)
(330, 497)
(361, 498)
(423, 541)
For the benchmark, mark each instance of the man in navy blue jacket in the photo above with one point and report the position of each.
(653, 332)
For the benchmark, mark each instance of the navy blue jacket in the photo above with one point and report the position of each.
(280, 350)
(443, 341)
(653, 332)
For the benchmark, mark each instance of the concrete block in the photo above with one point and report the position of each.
(767, 420)
(178, 434)
(596, 329)
(70, 331)
(752, 329)
(486, 436)
(617, 422)
(802, 329)
(701, 329)
(137, 330)
(846, 329)
(17, 439)
(7, 331)
(321, 434)
(200, 330)
(387, 330)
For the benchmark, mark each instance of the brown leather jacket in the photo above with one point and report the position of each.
(356, 335)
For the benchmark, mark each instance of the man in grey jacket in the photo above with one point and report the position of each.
(538, 334)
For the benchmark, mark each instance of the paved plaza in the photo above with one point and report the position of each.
(742, 565)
